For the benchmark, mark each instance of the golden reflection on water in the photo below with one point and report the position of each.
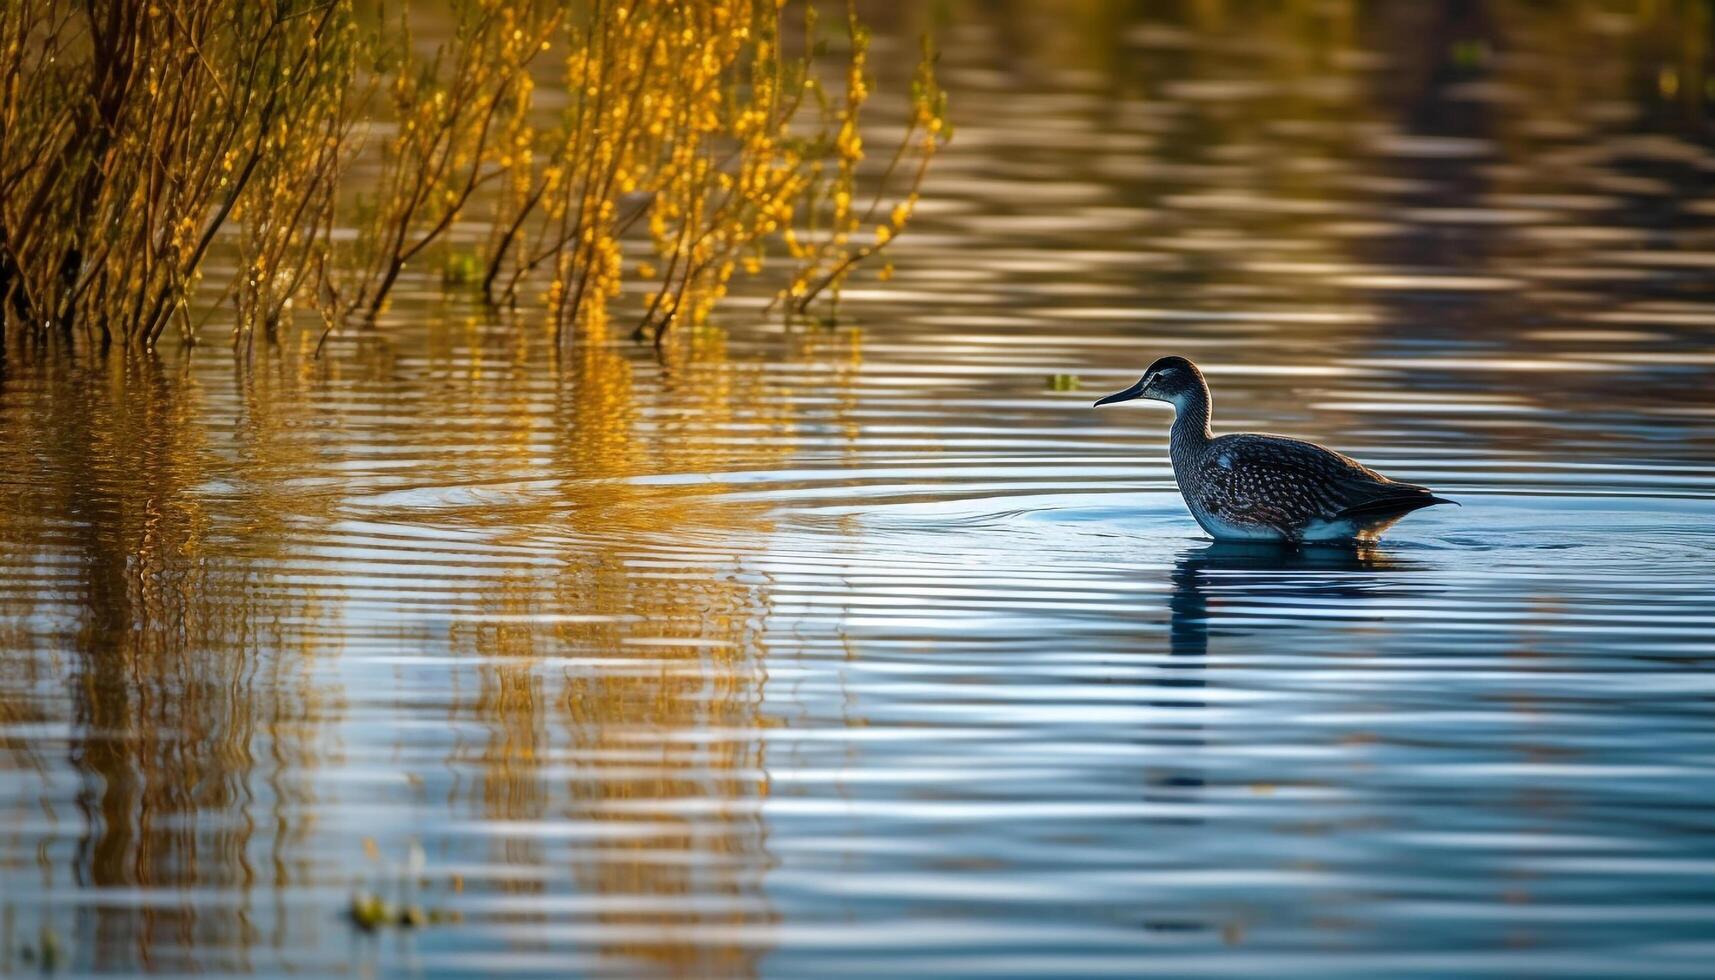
(148, 633)
(672, 718)
(682, 723)
(180, 556)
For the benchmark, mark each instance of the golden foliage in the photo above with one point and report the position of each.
(134, 133)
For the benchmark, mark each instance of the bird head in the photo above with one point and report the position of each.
(1170, 379)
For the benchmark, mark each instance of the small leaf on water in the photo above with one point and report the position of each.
(368, 911)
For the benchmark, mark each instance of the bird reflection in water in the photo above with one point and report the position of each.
(1269, 585)
(1232, 590)
(1272, 582)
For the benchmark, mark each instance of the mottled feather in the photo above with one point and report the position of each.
(1285, 483)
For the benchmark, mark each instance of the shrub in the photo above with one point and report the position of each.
(134, 132)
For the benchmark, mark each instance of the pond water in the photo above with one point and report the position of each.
(853, 649)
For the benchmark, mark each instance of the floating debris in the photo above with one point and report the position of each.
(370, 911)
(46, 951)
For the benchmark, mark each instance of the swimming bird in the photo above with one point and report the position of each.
(1248, 486)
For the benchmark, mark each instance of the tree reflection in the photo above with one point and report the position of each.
(621, 689)
(188, 726)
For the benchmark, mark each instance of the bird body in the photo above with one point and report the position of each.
(1257, 487)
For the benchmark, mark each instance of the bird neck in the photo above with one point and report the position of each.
(1191, 421)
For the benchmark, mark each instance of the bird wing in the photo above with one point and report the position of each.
(1287, 483)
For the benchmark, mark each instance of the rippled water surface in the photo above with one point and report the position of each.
(861, 649)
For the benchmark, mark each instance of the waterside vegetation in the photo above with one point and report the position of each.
(168, 163)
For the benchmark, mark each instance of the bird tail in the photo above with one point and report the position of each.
(1396, 503)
